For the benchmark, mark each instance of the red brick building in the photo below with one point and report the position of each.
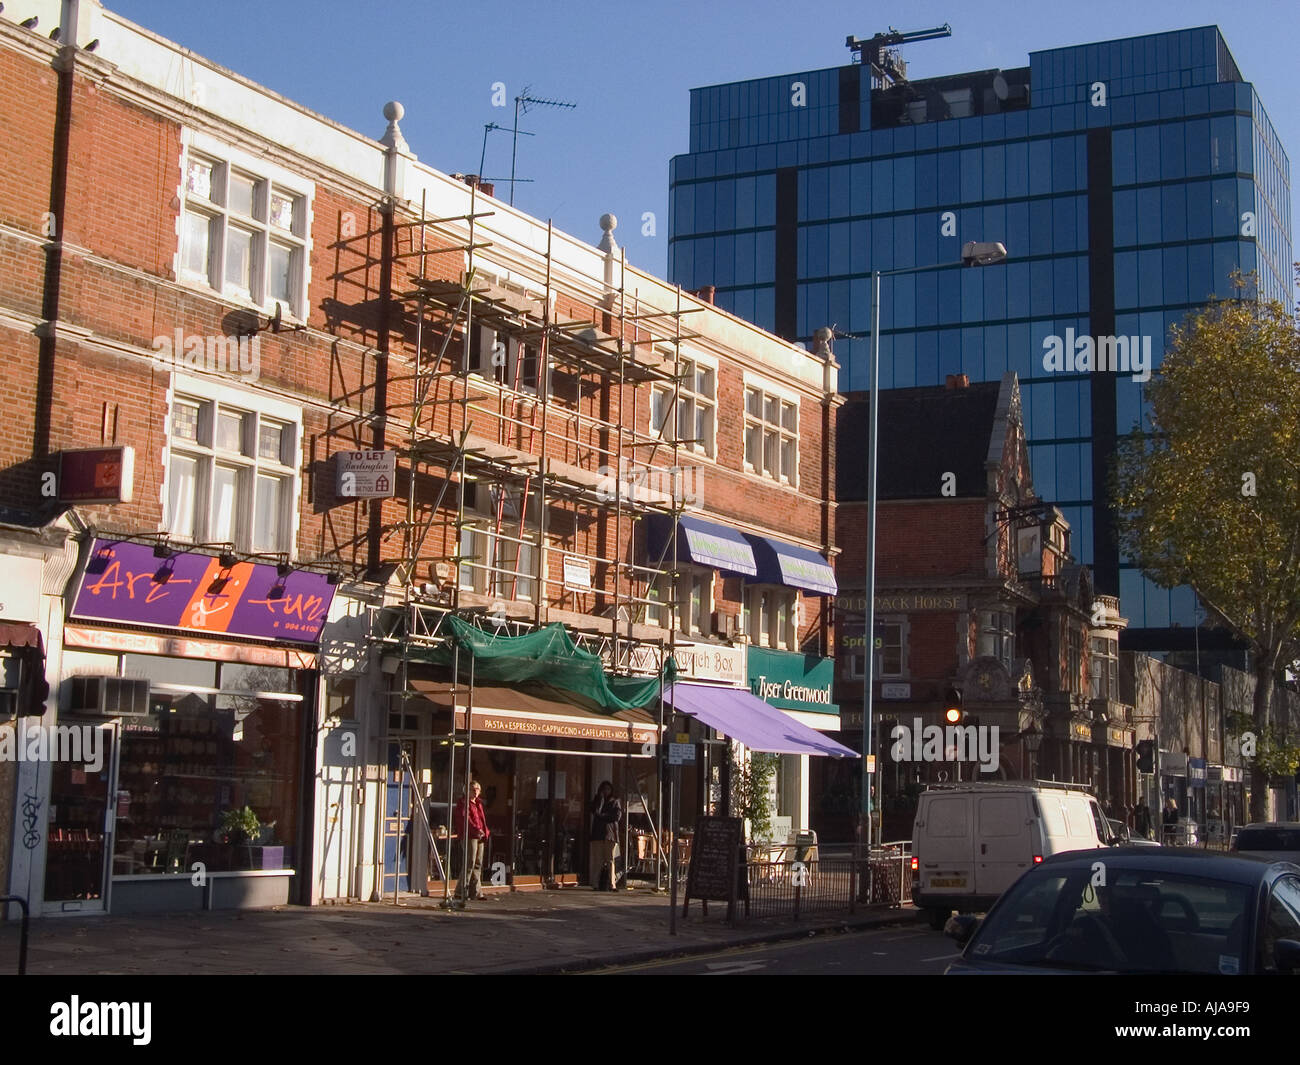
(335, 396)
(976, 592)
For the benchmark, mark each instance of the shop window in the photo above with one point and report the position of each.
(771, 435)
(771, 616)
(244, 228)
(232, 468)
(890, 648)
(218, 738)
(688, 415)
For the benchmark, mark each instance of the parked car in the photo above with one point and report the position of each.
(1140, 910)
(1278, 840)
(971, 841)
(1123, 837)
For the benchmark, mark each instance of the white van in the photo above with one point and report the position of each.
(970, 842)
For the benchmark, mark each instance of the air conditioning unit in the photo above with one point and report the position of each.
(109, 696)
(726, 625)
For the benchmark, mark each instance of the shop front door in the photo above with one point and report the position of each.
(398, 808)
(82, 810)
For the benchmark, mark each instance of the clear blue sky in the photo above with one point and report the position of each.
(629, 69)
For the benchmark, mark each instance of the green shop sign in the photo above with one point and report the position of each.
(792, 681)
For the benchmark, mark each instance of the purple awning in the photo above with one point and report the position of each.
(742, 715)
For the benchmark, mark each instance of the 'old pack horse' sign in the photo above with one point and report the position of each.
(717, 864)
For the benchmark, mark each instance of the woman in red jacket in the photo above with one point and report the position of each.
(475, 836)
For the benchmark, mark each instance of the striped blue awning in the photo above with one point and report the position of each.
(793, 566)
(704, 543)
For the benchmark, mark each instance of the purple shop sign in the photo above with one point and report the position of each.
(126, 583)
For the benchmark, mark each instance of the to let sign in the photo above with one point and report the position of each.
(366, 474)
(577, 573)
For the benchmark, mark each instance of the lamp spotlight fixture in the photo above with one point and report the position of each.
(982, 252)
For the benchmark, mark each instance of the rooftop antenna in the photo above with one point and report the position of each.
(492, 127)
(523, 101)
(878, 52)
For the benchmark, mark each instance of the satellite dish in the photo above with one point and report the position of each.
(1000, 89)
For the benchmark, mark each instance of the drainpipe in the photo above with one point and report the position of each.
(396, 155)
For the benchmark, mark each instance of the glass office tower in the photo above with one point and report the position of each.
(1127, 179)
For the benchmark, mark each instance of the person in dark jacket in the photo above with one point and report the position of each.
(606, 813)
(1142, 820)
(1170, 820)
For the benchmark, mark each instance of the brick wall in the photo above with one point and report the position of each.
(118, 286)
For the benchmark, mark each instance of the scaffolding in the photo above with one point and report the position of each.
(516, 399)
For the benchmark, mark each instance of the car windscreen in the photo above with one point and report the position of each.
(1268, 839)
(1100, 918)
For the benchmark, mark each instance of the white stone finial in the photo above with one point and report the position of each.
(607, 242)
(394, 112)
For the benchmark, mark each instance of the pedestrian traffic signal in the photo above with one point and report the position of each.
(952, 707)
(1146, 750)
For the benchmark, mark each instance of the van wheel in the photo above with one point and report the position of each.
(939, 918)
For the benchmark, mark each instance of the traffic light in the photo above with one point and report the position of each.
(1146, 750)
(953, 713)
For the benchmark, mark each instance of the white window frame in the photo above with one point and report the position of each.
(689, 579)
(854, 663)
(269, 178)
(782, 600)
(996, 637)
(487, 550)
(218, 397)
(508, 375)
(784, 398)
(688, 399)
(1103, 668)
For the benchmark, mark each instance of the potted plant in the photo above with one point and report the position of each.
(240, 826)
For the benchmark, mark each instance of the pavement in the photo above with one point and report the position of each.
(568, 930)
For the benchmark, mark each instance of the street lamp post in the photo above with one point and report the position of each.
(973, 253)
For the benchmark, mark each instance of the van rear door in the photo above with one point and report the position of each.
(1003, 846)
(944, 844)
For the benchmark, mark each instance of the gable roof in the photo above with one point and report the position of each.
(923, 434)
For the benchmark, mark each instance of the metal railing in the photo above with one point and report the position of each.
(786, 880)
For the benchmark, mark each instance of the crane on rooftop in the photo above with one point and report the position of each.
(880, 52)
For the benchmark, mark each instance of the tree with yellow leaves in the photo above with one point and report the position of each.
(1208, 493)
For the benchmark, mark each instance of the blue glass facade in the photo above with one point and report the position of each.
(1122, 209)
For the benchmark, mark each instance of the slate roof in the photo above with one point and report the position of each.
(924, 433)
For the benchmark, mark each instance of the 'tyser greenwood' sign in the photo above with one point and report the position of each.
(792, 681)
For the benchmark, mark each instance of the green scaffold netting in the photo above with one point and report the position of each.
(546, 663)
